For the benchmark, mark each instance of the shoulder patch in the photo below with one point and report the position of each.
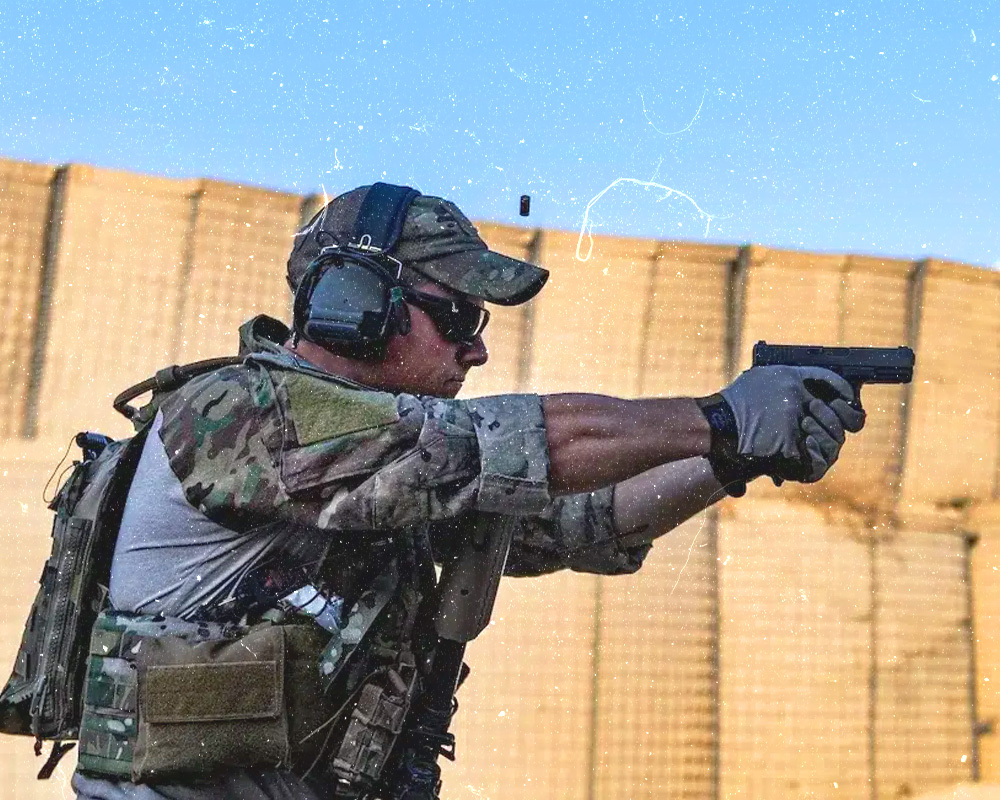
(322, 410)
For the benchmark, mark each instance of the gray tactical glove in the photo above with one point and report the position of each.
(786, 422)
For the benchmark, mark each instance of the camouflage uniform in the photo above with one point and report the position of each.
(343, 480)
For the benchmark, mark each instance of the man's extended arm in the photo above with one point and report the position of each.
(767, 422)
(657, 501)
(607, 531)
(596, 441)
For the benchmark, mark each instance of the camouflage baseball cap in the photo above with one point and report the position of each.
(437, 241)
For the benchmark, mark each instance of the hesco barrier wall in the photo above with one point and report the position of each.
(837, 640)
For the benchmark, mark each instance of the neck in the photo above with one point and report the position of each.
(357, 371)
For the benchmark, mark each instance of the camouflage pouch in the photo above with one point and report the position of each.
(168, 699)
(110, 716)
(210, 705)
(374, 726)
(110, 721)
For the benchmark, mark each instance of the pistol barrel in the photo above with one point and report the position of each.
(856, 364)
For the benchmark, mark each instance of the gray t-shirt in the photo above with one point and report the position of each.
(170, 558)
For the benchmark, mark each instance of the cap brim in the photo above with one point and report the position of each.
(494, 277)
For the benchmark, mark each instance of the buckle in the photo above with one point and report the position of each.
(446, 746)
(440, 743)
(364, 245)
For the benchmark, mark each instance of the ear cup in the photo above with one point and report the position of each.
(348, 297)
(303, 295)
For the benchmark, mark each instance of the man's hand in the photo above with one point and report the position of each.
(824, 428)
(786, 422)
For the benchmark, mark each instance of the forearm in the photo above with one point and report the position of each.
(657, 501)
(596, 441)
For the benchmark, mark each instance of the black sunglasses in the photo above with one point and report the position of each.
(457, 320)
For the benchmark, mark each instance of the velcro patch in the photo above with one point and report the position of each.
(213, 692)
(322, 410)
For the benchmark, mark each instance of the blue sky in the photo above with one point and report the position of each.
(866, 127)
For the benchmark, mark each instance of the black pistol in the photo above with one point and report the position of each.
(857, 365)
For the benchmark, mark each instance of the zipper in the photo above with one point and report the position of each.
(54, 693)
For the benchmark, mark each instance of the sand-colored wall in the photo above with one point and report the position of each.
(823, 641)
(25, 193)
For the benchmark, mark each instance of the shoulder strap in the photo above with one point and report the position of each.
(344, 641)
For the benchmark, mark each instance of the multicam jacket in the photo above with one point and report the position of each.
(263, 477)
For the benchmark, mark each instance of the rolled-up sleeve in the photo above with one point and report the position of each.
(575, 532)
(513, 451)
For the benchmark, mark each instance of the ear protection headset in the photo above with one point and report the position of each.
(351, 294)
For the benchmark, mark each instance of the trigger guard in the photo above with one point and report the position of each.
(823, 391)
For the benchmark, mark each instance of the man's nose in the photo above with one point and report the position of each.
(473, 354)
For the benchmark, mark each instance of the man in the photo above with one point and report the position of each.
(322, 476)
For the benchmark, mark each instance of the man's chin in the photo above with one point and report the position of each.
(451, 388)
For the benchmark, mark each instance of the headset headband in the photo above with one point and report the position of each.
(380, 219)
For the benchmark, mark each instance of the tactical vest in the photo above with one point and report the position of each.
(168, 699)
(171, 700)
(154, 698)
